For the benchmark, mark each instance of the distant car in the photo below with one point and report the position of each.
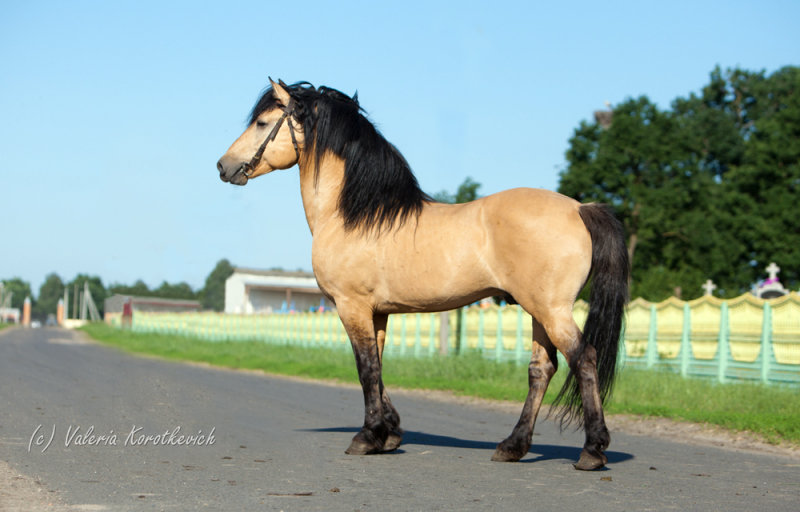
(36, 324)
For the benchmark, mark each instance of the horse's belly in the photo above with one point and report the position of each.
(433, 281)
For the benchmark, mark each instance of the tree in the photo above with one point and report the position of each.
(96, 288)
(51, 291)
(638, 167)
(704, 189)
(139, 289)
(765, 188)
(213, 293)
(175, 291)
(20, 290)
(467, 191)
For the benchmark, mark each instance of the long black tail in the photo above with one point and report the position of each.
(609, 294)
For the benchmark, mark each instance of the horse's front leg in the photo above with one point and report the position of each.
(372, 436)
(390, 416)
(543, 365)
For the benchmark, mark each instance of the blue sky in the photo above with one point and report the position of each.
(115, 113)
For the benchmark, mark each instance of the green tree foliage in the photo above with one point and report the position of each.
(96, 288)
(467, 191)
(706, 189)
(765, 187)
(213, 293)
(175, 291)
(49, 294)
(138, 289)
(166, 290)
(20, 290)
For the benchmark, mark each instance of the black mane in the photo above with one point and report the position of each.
(379, 188)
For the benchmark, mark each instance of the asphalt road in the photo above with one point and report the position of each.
(278, 444)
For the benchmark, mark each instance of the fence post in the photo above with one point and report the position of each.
(480, 330)
(766, 343)
(723, 349)
(498, 343)
(462, 333)
(417, 334)
(686, 347)
(403, 341)
(432, 335)
(444, 332)
(651, 353)
(519, 346)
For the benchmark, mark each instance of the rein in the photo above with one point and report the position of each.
(249, 167)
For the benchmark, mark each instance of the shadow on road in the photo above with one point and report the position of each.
(544, 451)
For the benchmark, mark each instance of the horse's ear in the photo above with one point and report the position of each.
(280, 92)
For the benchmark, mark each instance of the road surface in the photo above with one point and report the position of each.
(254, 442)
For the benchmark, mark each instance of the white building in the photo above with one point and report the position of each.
(249, 291)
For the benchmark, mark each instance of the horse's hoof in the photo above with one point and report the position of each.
(360, 447)
(589, 461)
(393, 441)
(507, 453)
(501, 456)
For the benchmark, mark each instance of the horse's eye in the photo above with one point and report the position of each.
(261, 124)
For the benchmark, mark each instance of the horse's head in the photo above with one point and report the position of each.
(271, 141)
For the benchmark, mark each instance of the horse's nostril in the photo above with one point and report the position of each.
(219, 167)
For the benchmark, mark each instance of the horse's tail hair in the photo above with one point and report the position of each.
(609, 293)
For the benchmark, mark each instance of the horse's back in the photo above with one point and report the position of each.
(532, 201)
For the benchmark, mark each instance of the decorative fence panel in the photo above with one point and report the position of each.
(740, 339)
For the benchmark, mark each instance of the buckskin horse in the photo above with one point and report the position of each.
(382, 246)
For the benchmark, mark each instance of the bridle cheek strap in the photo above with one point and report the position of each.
(248, 168)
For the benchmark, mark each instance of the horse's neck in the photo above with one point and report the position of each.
(321, 196)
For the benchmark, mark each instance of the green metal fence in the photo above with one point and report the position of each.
(741, 339)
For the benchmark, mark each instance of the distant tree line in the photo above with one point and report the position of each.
(708, 188)
(211, 296)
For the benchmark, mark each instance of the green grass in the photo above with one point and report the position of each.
(770, 411)
(3, 325)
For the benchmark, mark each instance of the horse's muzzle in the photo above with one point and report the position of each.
(234, 174)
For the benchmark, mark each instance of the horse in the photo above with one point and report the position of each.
(380, 246)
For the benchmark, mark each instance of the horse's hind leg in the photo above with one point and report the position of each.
(597, 437)
(360, 328)
(582, 360)
(541, 369)
(390, 415)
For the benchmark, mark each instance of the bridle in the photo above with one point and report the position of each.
(248, 168)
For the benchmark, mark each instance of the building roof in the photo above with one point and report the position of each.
(272, 273)
(159, 301)
(274, 279)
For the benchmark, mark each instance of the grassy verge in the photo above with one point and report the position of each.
(3, 325)
(772, 412)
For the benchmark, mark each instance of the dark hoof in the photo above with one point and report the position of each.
(508, 451)
(358, 447)
(393, 440)
(591, 460)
